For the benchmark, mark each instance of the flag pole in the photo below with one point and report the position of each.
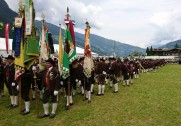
(20, 105)
(35, 85)
(21, 9)
(67, 16)
(84, 89)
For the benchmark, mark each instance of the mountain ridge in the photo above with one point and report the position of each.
(99, 45)
(172, 44)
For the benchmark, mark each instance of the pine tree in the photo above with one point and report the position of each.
(147, 51)
(176, 46)
(151, 51)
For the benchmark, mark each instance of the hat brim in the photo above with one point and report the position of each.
(52, 62)
(10, 58)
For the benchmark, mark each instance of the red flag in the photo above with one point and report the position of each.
(6, 35)
(71, 28)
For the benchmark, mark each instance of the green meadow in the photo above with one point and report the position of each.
(153, 100)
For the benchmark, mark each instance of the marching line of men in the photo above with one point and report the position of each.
(50, 83)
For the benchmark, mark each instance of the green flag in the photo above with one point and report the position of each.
(71, 49)
(65, 65)
(69, 54)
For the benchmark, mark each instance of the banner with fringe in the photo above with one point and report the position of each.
(28, 16)
(88, 61)
(44, 54)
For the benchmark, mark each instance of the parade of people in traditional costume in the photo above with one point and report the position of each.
(31, 73)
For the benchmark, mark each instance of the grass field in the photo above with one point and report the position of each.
(153, 100)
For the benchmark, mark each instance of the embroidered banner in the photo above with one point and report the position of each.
(18, 34)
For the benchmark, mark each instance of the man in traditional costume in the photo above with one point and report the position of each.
(51, 83)
(114, 71)
(1, 78)
(10, 83)
(101, 71)
(25, 77)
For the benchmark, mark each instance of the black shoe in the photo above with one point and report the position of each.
(89, 101)
(71, 104)
(86, 98)
(33, 99)
(10, 106)
(44, 116)
(15, 106)
(52, 116)
(3, 95)
(102, 94)
(110, 86)
(98, 94)
(115, 92)
(67, 107)
(25, 113)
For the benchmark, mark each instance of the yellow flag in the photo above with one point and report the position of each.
(19, 61)
(60, 54)
(88, 61)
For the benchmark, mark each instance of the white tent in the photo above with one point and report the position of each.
(3, 47)
(159, 57)
(79, 51)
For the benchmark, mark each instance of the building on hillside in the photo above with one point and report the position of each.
(167, 52)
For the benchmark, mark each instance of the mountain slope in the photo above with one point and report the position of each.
(99, 44)
(6, 16)
(172, 44)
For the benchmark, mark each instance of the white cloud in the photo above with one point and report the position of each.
(167, 26)
(137, 22)
(13, 4)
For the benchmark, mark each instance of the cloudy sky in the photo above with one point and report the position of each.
(137, 22)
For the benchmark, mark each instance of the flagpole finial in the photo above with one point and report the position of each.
(43, 16)
(67, 9)
(21, 7)
(67, 15)
(87, 24)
